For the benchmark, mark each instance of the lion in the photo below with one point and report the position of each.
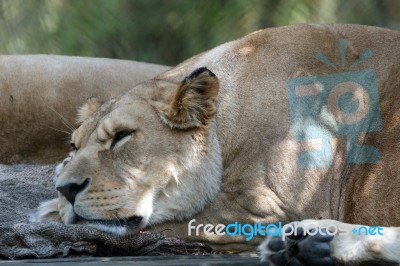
(285, 124)
(41, 92)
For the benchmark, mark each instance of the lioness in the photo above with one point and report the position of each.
(282, 125)
(39, 95)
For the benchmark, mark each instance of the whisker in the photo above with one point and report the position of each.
(65, 121)
(129, 205)
(116, 218)
(119, 219)
(56, 129)
(129, 208)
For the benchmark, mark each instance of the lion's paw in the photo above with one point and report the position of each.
(297, 249)
(47, 211)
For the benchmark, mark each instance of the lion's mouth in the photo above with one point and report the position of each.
(121, 226)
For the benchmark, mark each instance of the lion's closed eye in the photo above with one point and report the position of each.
(73, 146)
(120, 135)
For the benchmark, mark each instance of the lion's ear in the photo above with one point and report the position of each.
(91, 105)
(193, 104)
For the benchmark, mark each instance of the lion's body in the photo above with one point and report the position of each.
(177, 156)
(254, 129)
(34, 87)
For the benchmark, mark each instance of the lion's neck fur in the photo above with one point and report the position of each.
(194, 184)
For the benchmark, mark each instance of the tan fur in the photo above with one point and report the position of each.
(39, 95)
(191, 106)
(88, 109)
(243, 165)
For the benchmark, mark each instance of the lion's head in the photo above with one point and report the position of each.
(149, 156)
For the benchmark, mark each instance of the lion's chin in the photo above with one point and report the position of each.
(121, 227)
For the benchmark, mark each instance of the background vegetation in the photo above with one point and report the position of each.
(168, 31)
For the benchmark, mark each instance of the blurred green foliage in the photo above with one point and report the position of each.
(168, 31)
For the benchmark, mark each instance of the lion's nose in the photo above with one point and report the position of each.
(70, 190)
